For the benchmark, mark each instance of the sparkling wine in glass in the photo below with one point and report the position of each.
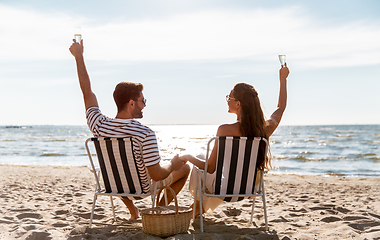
(78, 37)
(78, 34)
(282, 59)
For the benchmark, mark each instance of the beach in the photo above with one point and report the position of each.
(54, 202)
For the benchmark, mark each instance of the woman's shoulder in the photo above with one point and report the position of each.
(232, 129)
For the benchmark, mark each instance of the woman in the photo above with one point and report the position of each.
(243, 101)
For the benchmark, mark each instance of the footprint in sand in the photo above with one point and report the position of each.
(21, 210)
(331, 219)
(303, 198)
(78, 194)
(3, 221)
(88, 215)
(38, 235)
(60, 224)
(343, 210)
(280, 219)
(354, 218)
(322, 207)
(296, 215)
(371, 214)
(30, 227)
(60, 212)
(29, 215)
(364, 225)
(68, 195)
(232, 211)
(301, 210)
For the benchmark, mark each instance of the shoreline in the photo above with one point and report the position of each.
(191, 124)
(271, 172)
(44, 202)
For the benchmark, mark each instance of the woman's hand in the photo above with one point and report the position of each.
(200, 163)
(284, 72)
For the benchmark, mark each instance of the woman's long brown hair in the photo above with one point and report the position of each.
(252, 121)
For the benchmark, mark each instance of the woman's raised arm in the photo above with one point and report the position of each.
(276, 116)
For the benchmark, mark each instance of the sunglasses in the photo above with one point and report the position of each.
(228, 98)
(142, 100)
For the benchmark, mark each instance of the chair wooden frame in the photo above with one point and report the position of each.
(116, 157)
(234, 154)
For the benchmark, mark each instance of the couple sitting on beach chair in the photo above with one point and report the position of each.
(129, 158)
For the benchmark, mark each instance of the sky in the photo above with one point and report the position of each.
(189, 55)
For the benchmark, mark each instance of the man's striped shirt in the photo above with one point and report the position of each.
(103, 126)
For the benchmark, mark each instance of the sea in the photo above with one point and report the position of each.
(331, 150)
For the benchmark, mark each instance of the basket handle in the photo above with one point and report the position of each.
(175, 197)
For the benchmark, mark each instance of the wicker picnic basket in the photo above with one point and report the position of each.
(166, 221)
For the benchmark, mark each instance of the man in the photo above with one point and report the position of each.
(130, 102)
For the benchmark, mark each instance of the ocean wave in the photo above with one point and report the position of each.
(375, 159)
(299, 158)
(346, 135)
(328, 141)
(304, 159)
(334, 174)
(17, 127)
(364, 156)
(306, 152)
(45, 154)
(9, 153)
(369, 154)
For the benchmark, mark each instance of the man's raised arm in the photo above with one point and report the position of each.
(89, 97)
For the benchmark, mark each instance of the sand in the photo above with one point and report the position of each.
(43, 202)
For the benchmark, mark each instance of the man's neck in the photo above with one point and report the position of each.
(124, 115)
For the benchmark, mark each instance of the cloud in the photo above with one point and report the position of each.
(203, 35)
(31, 35)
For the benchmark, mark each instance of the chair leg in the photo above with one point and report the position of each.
(113, 209)
(93, 209)
(200, 204)
(195, 198)
(253, 208)
(154, 194)
(265, 209)
(152, 198)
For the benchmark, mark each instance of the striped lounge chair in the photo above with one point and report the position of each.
(236, 171)
(122, 170)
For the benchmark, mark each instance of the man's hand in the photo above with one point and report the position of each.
(177, 163)
(76, 49)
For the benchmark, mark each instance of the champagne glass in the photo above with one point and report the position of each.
(78, 34)
(282, 59)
